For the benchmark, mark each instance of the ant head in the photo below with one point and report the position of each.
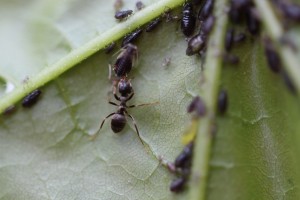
(125, 87)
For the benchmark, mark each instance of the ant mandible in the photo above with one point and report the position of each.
(118, 120)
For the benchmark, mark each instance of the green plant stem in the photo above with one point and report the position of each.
(275, 31)
(88, 49)
(211, 73)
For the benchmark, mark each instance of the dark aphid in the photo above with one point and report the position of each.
(229, 39)
(9, 110)
(197, 105)
(231, 59)
(109, 48)
(118, 4)
(183, 160)
(207, 25)
(288, 82)
(196, 44)
(125, 60)
(237, 10)
(188, 20)
(153, 24)
(177, 185)
(253, 23)
(123, 14)
(31, 98)
(222, 101)
(206, 10)
(272, 56)
(131, 37)
(291, 11)
(139, 5)
(239, 37)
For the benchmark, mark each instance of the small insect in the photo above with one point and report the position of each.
(237, 10)
(206, 10)
(178, 184)
(131, 37)
(272, 56)
(139, 5)
(229, 39)
(168, 15)
(207, 25)
(291, 11)
(198, 106)
(188, 20)
(239, 37)
(166, 62)
(252, 21)
(109, 48)
(125, 60)
(118, 120)
(123, 14)
(118, 4)
(183, 160)
(196, 44)
(153, 24)
(222, 101)
(9, 110)
(31, 98)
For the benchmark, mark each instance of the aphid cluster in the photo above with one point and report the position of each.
(197, 43)
(182, 168)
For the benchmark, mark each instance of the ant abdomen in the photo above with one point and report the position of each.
(118, 122)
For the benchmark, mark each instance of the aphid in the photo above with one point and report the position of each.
(272, 56)
(206, 10)
(253, 23)
(188, 20)
(31, 98)
(139, 5)
(9, 110)
(208, 25)
(183, 160)
(291, 11)
(196, 44)
(109, 48)
(123, 14)
(166, 62)
(125, 60)
(229, 39)
(231, 59)
(131, 37)
(177, 185)
(239, 37)
(222, 101)
(197, 105)
(118, 4)
(153, 24)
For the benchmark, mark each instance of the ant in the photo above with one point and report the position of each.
(118, 120)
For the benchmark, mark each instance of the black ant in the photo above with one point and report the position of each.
(118, 120)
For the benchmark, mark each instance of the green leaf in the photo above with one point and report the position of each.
(46, 153)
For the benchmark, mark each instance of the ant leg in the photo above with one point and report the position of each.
(136, 128)
(94, 135)
(113, 103)
(130, 96)
(143, 104)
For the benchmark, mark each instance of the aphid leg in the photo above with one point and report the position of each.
(136, 128)
(93, 137)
